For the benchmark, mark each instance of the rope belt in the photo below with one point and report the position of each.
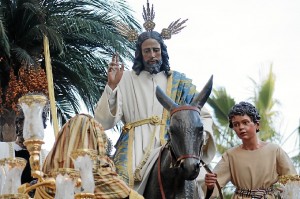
(154, 120)
(254, 193)
(129, 128)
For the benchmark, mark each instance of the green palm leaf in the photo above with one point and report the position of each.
(82, 38)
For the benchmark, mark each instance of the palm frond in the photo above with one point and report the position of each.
(21, 55)
(221, 103)
(4, 41)
(82, 37)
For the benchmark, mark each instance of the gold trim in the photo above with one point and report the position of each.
(84, 196)
(82, 152)
(165, 111)
(34, 147)
(137, 175)
(130, 158)
(63, 171)
(286, 178)
(32, 98)
(14, 196)
(17, 161)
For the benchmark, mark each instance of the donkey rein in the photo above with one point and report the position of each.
(217, 183)
(161, 188)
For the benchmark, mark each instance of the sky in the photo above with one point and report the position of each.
(234, 40)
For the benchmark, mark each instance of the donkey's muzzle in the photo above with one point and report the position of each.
(190, 168)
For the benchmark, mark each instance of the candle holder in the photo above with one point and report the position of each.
(33, 130)
(291, 186)
(34, 147)
(33, 106)
(84, 161)
(66, 179)
(11, 172)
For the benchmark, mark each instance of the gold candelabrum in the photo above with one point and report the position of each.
(65, 183)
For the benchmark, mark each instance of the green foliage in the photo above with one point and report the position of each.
(264, 101)
(221, 103)
(82, 37)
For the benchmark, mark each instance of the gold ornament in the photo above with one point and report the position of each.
(149, 25)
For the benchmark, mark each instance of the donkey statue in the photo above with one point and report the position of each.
(178, 164)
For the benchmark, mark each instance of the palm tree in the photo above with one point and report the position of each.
(82, 37)
(221, 102)
(264, 101)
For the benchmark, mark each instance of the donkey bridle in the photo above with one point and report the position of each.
(182, 157)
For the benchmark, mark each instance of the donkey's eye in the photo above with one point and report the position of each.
(199, 128)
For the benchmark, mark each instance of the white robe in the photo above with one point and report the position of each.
(134, 99)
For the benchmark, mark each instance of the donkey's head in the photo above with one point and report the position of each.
(186, 130)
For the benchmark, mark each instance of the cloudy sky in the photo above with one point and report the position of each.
(235, 40)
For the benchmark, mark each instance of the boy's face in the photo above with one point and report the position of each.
(244, 127)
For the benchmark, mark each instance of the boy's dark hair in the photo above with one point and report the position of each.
(244, 108)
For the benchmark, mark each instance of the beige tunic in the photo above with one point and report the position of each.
(255, 169)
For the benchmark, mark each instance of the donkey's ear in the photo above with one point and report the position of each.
(164, 100)
(202, 97)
